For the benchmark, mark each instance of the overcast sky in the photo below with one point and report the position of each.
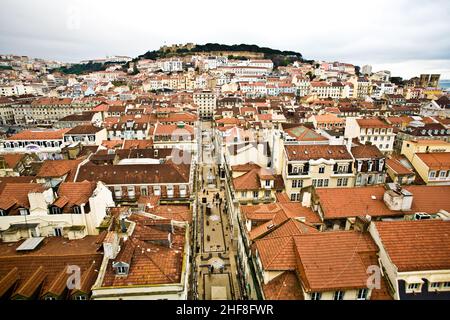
(408, 37)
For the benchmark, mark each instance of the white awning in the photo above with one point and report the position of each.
(439, 278)
(414, 279)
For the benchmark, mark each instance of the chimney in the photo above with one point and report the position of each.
(111, 245)
(396, 198)
(349, 145)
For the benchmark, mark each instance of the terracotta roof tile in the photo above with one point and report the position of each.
(325, 267)
(252, 180)
(397, 166)
(29, 287)
(76, 193)
(39, 135)
(366, 151)
(411, 245)
(18, 193)
(12, 159)
(245, 167)
(53, 255)
(9, 280)
(302, 133)
(435, 160)
(57, 168)
(277, 253)
(84, 129)
(135, 174)
(314, 152)
(372, 123)
(284, 287)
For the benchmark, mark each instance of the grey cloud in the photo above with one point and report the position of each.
(378, 32)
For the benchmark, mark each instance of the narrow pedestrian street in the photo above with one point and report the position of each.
(216, 272)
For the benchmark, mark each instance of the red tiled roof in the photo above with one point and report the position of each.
(314, 152)
(149, 263)
(342, 265)
(352, 202)
(277, 254)
(45, 264)
(138, 144)
(366, 151)
(280, 227)
(372, 123)
(416, 245)
(12, 159)
(172, 129)
(39, 135)
(136, 173)
(245, 167)
(284, 287)
(76, 193)
(435, 160)
(84, 129)
(57, 168)
(17, 194)
(397, 166)
(252, 180)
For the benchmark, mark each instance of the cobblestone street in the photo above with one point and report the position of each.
(216, 271)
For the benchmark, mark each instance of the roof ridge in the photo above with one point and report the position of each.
(154, 262)
(289, 238)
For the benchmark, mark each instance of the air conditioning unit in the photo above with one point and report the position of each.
(422, 216)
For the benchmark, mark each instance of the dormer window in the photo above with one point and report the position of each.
(121, 268)
(414, 287)
(55, 210)
(76, 210)
(2, 213)
(24, 212)
(267, 183)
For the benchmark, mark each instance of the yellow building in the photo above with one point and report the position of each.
(431, 160)
(431, 93)
(320, 166)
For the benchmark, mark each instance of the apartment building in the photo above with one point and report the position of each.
(173, 182)
(371, 131)
(87, 135)
(399, 172)
(47, 144)
(206, 103)
(256, 186)
(422, 131)
(304, 266)
(170, 136)
(35, 210)
(128, 129)
(370, 165)
(326, 90)
(49, 110)
(430, 159)
(415, 270)
(327, 121)
(320, 166)
(38, 268)
(146, 259)
(339, 207)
